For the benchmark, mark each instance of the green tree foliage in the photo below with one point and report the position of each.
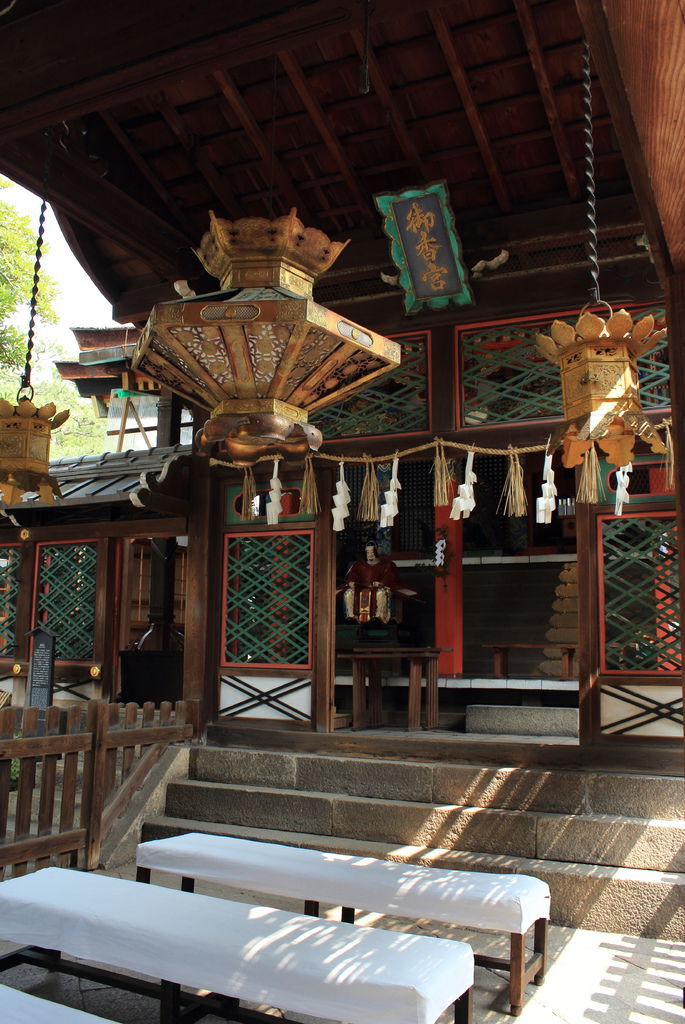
(17, 257)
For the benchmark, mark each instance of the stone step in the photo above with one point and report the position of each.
(588, 838)
(521, 721)
(528, 789)
(628, 900)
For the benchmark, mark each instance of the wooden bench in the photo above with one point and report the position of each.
(233, 951)
(22, 1008)
(501, 656)
(472, 899)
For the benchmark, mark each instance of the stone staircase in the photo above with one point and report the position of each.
(610, 845)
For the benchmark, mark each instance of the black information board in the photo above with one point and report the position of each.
(41, 669)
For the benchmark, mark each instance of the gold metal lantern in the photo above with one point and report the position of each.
(600, 385)
(260, 354)
(25, 449)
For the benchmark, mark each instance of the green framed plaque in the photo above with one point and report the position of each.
(425, 247)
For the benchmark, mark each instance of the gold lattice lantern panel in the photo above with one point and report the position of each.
(265, 355)
(25, 450)
(600, 385)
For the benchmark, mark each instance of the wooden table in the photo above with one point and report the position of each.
(501, 656)
(368, 661)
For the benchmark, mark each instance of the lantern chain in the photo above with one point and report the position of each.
(590, 175)
(33, 305)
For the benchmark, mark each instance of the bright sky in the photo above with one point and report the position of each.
(78, 302)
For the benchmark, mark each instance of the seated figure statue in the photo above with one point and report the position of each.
(372, 588)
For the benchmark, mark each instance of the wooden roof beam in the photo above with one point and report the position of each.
(143, 166)
(85, 197)
(532, 41)
(199, 157)
(446, 41)
(331, 140)
(259, 141)
(384, 94)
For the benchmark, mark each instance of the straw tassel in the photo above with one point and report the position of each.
(442, 478)
(669, 458)
(588, 485)
(367, 510)
(309, 501)
(247, 511)
(514, 494)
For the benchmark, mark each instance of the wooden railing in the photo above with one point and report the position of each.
(61, 791)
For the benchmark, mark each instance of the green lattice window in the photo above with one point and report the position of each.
(641, 594)
(65, 599)
(396, 403)
(9, 588)
(267, 599)
(504, 380)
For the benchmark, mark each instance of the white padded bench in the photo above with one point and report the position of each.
(22, 1008)
(301, 964)
(470, 899)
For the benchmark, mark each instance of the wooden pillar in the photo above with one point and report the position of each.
(675, 318)
(106, 601)
(203, 601)
(169, 410)
(323, 625)
(449, 601)
(588, 624)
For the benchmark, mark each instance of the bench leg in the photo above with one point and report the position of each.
(414, 695)
(169, 1002)
(311, 908)
(359, 717)
(567, 662)
(540, 946)
(517, 966)
(347, 915)
(375, 695)
(187, 884)
(143, 874)
(463, 1008)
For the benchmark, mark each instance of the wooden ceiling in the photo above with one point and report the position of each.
(167, 110)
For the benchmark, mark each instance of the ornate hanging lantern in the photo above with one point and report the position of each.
(261, 354)
(600, 386)
(25, 429)
(598, 357)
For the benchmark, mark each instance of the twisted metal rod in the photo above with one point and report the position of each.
(593, 290)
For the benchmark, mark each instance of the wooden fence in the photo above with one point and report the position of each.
(72, 783)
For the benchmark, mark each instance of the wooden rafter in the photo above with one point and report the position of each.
(258, 139)
(332, 142)
(199, 156)
(143, 166)
(532, 40)
(93, 201)
(446, 41)
(386, 97)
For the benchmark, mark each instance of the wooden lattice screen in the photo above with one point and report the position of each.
(65, 597)
(641, 596)
(9, 588)
(267, 599)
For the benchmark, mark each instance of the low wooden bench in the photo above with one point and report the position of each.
(472, 899)
(22, 1008)
(501, 656)
(233, 951)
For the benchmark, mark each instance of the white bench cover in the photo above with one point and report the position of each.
(304, 964)
(471, 899)
(22, 1008)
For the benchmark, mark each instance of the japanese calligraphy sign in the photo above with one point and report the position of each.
(425, 247)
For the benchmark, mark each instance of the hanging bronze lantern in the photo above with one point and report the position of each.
(600, 385)
(25, 449)
(261, 354)
(25, 428)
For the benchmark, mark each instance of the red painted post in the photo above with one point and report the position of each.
(449, 620)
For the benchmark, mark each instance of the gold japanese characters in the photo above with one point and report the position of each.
(600, 384)
(261, 354)
(25, 449)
